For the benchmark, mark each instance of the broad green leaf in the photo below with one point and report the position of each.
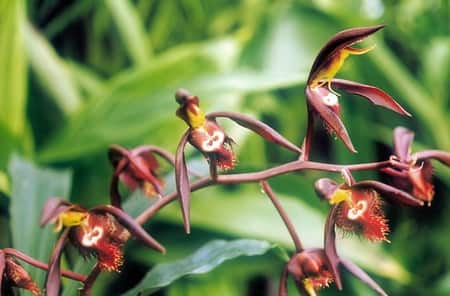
(436, 69)
(51, 71)
(13, 70)
(202, 261)
(30, 188)
(131, 30)
(413, 93)
(142, 101)
(4, 183)
(76, 10)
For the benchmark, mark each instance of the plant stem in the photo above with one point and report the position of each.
(284, 216)
(90, 280)
(294, 166)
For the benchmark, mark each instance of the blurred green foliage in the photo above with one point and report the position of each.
(79, 75)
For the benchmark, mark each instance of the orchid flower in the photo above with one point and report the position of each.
(323, 101)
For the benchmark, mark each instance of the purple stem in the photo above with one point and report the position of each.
(297, 165)
(90, 280)
(284, 216)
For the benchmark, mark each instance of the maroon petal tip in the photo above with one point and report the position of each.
(182, 181)
(402, 141)
(330, 246)
(339, 41)
(375, 95)
(52, 208)
(363, 276)
(258, 127)
(390, 192)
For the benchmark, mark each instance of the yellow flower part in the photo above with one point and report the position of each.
(70, 218)
(327, 73)
(340, 195)
(309, 287)
(195, 116)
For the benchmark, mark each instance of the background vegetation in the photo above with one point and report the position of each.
(76, 76)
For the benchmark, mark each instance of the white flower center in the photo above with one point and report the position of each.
(213, 142)
(91, 238)
(358, 210)
(330, 99)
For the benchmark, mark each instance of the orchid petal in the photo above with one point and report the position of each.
(362, 275)
(439, 155)
(373, 94)
(391, 192)
(325, 188)
(330, 246)
(116, 198)
(402, 139)
(116, 153)
(182, 181)
(53, 278)
(149, 149)
(337, 42)
(329, 116)
(131, 225)
(282, 288)
(258, 127)
(52, 208)
(2, 266)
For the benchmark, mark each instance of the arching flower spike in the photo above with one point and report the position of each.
(323, 101)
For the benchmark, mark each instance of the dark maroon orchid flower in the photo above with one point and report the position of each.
(206, 135)
(137, 168)
(323, 101)
(12, 274)
(101, 232)
(310, 270)
(413, 172)
(359, 206)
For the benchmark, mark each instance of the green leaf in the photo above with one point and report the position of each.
(436, 69)
(31, 186)
(51, 71)
(131, 30)
(13, 83)
(138, 102)
(204, 260)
